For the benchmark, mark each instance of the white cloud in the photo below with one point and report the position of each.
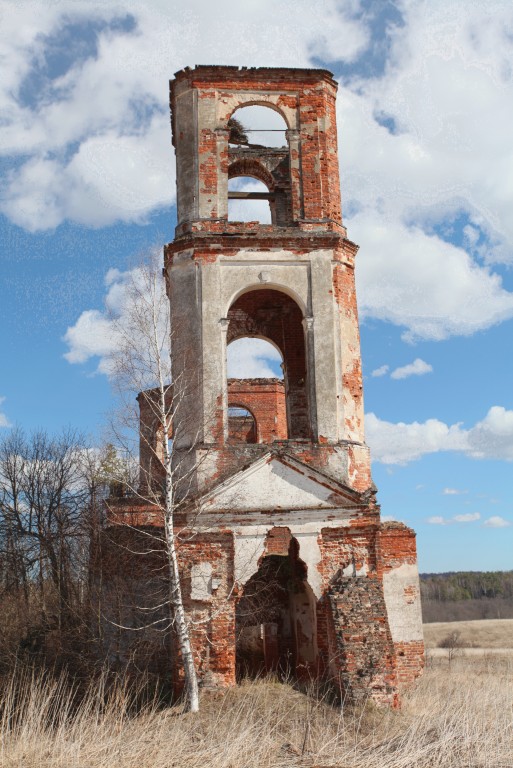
(4, 421)
(496, 522)
(449, 65)
(93, 143)
(248, 210)
(492, 438)
(98, 333)
(252, 358)
(381, 371)
(470, 517)
(432, 288)
(417, 368)
(400, 443)
(452, 492)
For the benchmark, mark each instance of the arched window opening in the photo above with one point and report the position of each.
(242, 426)
(268, 314)
(257, 125)
(249, 200)
(257, 148)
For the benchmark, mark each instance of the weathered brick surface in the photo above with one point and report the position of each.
(399, 554)
(362, 655)
(265, 400)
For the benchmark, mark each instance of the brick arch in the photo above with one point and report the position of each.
(265, 401)
(256, 102)
(238, 431)
(249, 166)
(271, 314)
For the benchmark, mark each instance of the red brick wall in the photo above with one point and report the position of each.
(265, 400)
(271, 314)
(315, 184)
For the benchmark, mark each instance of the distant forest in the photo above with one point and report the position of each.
(466, 595)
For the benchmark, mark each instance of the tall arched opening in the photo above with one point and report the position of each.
(259, 167)
(272, 315)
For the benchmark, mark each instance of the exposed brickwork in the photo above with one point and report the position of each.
(348, 550)
(398, 548)
(314, 177)
(362, 657)
(265, 399)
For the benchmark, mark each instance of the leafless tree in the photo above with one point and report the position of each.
(49, 495)
(141, 363)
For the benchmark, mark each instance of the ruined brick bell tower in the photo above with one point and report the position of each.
(286, 505)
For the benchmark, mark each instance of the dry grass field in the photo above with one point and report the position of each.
(484, 634)
(457, 717)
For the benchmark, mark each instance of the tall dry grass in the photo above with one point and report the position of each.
(454, 718)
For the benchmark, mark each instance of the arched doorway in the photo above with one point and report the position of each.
(276, 615)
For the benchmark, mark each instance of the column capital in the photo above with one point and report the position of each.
(292, 134)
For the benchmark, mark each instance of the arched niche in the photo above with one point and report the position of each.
(275, 316)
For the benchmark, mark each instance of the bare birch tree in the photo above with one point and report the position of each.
(141, 363)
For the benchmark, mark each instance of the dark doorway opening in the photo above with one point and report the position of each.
(276, 619)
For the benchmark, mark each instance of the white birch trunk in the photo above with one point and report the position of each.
(142, 355)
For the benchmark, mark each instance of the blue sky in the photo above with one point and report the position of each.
(425, 111)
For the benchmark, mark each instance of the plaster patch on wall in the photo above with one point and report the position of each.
(248, 549)
(201, 581)
(404, 614)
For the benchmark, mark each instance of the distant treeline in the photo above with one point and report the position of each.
(467, 595)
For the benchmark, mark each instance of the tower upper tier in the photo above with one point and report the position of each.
(302, 177)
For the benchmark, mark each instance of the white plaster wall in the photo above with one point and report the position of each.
(284, 270)
(186, 123)
(270, 485)
(404, 614)
(213, 352)
(201, 581)
(329, 406)
(186, 328)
